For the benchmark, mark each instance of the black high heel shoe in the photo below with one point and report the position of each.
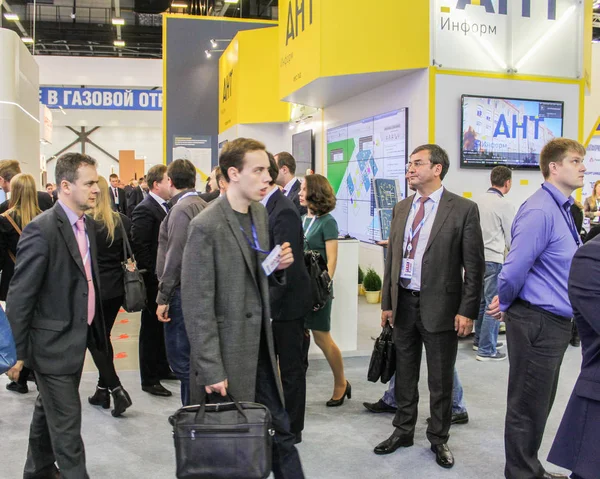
(100, 398)
(338, 402)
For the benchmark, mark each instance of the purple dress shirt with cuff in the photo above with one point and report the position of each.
(537, 266)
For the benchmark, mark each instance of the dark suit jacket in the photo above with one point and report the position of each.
(122, 206)
(226, 301)
(293, 299)
(294, 196)
(44, 202)
(110, 259)
(455, 243)
(145, 228)
(8, 242)
(48, 295)
(208, 197)
(134, 198)
(579, 431)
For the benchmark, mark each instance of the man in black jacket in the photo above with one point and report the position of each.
(287, 179)
(53, 309)
(290, 302)
(136, 195)
(145, 227)
(10, 168)
(118, 198)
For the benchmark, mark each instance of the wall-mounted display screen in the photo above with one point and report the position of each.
(303, 152)
(366, 162)
(507, 131)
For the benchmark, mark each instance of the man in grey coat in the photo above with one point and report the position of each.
(225, 297)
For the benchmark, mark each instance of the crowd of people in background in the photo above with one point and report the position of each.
(220, 320)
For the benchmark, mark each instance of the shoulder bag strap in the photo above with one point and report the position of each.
(11, 255)
(127, 252)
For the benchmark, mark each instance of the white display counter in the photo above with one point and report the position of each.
(344, 313)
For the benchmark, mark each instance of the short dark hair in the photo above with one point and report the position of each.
(437, 156)
(273, 168)
(182, 174)
(156, 174)
(319, 194)
(556, 150)
(113, 175)
(500, 175)
(49, 184)
(68, 164)
(219, 175)
(142, 178)
(286, 159)
(9, 168)
(233, 154)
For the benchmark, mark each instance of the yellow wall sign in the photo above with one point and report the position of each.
(248, 80)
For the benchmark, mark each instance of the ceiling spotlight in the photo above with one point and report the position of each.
(179, 4)
(119, 43)
(208, 55)
(13, 17)
(213, 43)
(231, 1)
(72, 16)
(118, 21)
(27, 39)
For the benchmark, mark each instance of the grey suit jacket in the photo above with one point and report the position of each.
(455, 245)
(225, 302)
(47, 297)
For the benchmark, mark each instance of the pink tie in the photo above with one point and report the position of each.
(87, 263)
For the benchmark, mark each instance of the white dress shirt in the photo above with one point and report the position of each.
(287, 188)
(431, 208)
(159, 200)
(115, 194)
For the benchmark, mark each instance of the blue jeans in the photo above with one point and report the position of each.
(178, 346)
(458, 401)
(486, 327)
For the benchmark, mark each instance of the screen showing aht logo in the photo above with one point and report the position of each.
(507, 131)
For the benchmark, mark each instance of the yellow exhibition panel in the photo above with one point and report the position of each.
(248, 80)
(318, 39)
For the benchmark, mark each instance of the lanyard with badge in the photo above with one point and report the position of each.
(567, 217)
(408, 263)
(271, 263)
(189, 193)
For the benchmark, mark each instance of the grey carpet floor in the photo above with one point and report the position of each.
(337, 444)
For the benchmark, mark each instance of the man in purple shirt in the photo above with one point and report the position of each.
(533, 297)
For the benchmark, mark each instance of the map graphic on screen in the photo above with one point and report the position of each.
(366, 166)
(507, 131)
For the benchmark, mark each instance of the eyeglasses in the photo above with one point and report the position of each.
(417, 164)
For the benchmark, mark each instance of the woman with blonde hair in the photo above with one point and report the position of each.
(110, 231)
(22, 208)
(591, 206)
(321, 234)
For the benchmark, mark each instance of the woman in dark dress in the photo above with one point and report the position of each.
(110, 263)
(321, 234)
(23, 207)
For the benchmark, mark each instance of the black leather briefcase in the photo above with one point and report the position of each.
(223, 441)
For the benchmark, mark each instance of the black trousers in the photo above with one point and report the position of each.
(104, 361)
(55, 432)
(153, 355)
(537, 342)
(440, 349)
(289, 341)
(286, 460)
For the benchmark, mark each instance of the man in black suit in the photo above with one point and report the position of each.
(136, 195)
(118, 198)
(213, 186)
(290, 302)
(435, 237)
(10, 168)
(145, 228)
(53, 309)
(287, 179)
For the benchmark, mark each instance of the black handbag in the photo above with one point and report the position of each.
(230, 440)
(320, 281)
(133, 283)
(383, 359)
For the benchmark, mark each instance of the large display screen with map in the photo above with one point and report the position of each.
(366, 163)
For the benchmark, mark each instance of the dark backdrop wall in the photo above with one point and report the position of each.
(191, 87)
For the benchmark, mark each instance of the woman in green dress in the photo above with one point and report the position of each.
(321, 233)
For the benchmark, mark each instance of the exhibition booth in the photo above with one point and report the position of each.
(349, 94)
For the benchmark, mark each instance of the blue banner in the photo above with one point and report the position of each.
(101, 99)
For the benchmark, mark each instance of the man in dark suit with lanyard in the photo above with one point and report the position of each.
(534, 301)
(53, 308)
(435, 237)
(145, 229)
(287, 179)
